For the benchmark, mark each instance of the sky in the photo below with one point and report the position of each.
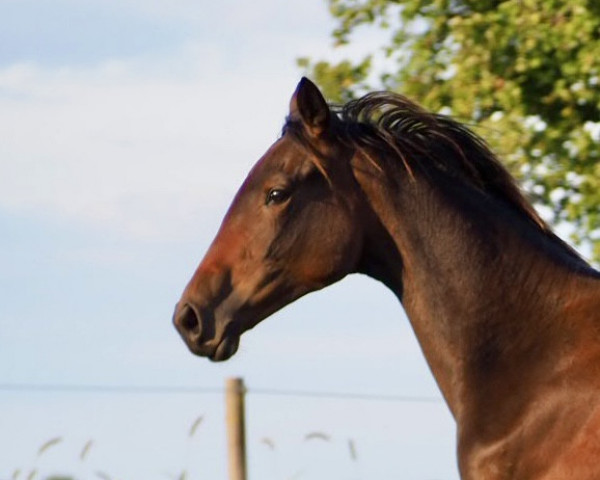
(127, 127)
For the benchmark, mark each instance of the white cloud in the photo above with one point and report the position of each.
(129, 146)
(151, 144)
(148, 145)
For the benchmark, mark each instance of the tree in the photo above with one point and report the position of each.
(525, 73)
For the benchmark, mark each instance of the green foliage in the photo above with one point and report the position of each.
(526, 72)
(337, 81)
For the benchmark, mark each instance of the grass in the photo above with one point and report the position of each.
(35, 472)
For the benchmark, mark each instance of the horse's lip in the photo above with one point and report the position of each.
(226, 348)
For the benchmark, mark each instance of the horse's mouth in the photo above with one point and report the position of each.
(225, 349)
(216, 351)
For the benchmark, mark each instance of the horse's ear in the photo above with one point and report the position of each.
(309, 106)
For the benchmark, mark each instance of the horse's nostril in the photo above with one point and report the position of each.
(187, 320)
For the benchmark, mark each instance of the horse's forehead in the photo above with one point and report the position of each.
(282, 160)
(284, 156)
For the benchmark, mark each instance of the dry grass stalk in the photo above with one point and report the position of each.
(352, 449)
(317, 436)
(195, 425)
(86, 450)
(50, 443)
(268, 442)
(103, 475)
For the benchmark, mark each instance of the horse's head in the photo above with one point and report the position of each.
(295, 226)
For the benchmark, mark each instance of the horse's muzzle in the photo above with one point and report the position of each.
(200, 338)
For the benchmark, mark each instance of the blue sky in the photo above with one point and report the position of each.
(55, 32)
(127, 127)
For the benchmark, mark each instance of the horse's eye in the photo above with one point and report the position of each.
(277, 195)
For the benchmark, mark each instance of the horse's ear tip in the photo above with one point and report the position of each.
(304, 86)
(302, 83)
(306, 82)
(308, 105)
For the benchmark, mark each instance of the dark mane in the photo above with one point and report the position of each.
(393, 127)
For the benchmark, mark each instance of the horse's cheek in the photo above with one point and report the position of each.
(334, 255)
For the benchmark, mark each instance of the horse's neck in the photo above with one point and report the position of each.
(482, 299)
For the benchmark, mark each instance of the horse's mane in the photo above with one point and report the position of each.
(427, 141)
(402, 132)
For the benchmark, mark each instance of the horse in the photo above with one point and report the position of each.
(506, 313)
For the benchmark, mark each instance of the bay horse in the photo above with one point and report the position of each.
(507, 315)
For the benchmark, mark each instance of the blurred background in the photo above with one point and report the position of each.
(126, 128)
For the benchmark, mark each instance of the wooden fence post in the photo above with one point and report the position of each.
(236, 436)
